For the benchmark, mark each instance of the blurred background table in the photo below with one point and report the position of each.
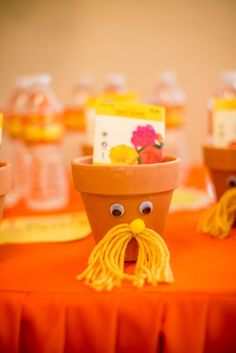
(43, 309)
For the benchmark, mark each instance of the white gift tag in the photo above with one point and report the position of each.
(128, 133)
(224, 123)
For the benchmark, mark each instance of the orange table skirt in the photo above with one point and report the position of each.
(43, 309)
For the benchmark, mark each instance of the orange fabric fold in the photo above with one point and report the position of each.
(117, 322)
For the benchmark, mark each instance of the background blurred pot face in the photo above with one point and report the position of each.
(5, 183)
(223, 181)
(221, 163)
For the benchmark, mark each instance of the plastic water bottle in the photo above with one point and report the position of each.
(15, 111)
(227, 86)
(46, 179)
(75, 118)
(115, 83)
(168, 93)
(82, 90)
(226, 90)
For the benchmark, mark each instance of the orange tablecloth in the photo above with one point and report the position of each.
(43, 309)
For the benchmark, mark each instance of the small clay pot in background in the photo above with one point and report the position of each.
(221, 163)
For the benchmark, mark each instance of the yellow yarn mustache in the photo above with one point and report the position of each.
(219, 218)
(105, 268)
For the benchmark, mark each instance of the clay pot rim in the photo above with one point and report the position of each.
(220, 158)
(85, 161)
(107, 179)
(5, 177)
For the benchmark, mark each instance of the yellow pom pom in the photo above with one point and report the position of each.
(137, 226)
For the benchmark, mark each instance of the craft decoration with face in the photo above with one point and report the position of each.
(127, 208)
(129, 234)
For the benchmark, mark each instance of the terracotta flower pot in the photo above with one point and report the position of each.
(221, 163)
(108, 190)
(5, 183)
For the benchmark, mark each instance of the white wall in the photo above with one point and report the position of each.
(140, 38)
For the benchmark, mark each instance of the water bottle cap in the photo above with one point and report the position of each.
(23, 82)
(116, 79)
(167, 77)
(229, 77)
(167, 90)
(85, 79)
(46, 99)
(41, 79)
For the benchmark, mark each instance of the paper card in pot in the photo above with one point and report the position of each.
(224, 123)
(128, 133)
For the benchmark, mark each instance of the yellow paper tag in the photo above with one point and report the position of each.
(49, 228)
(130, 110)
(188, 198)
(224, 104)
(120, 97)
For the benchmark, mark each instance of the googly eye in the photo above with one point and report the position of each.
(231, 181)
(117, 210)
(146, 207)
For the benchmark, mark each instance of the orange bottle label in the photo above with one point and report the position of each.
(174, 116)
(14, 125)
(74, 119)
(43, 129)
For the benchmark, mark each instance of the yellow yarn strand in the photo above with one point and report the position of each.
(105, 268)
(160, 266)
(219, 218)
